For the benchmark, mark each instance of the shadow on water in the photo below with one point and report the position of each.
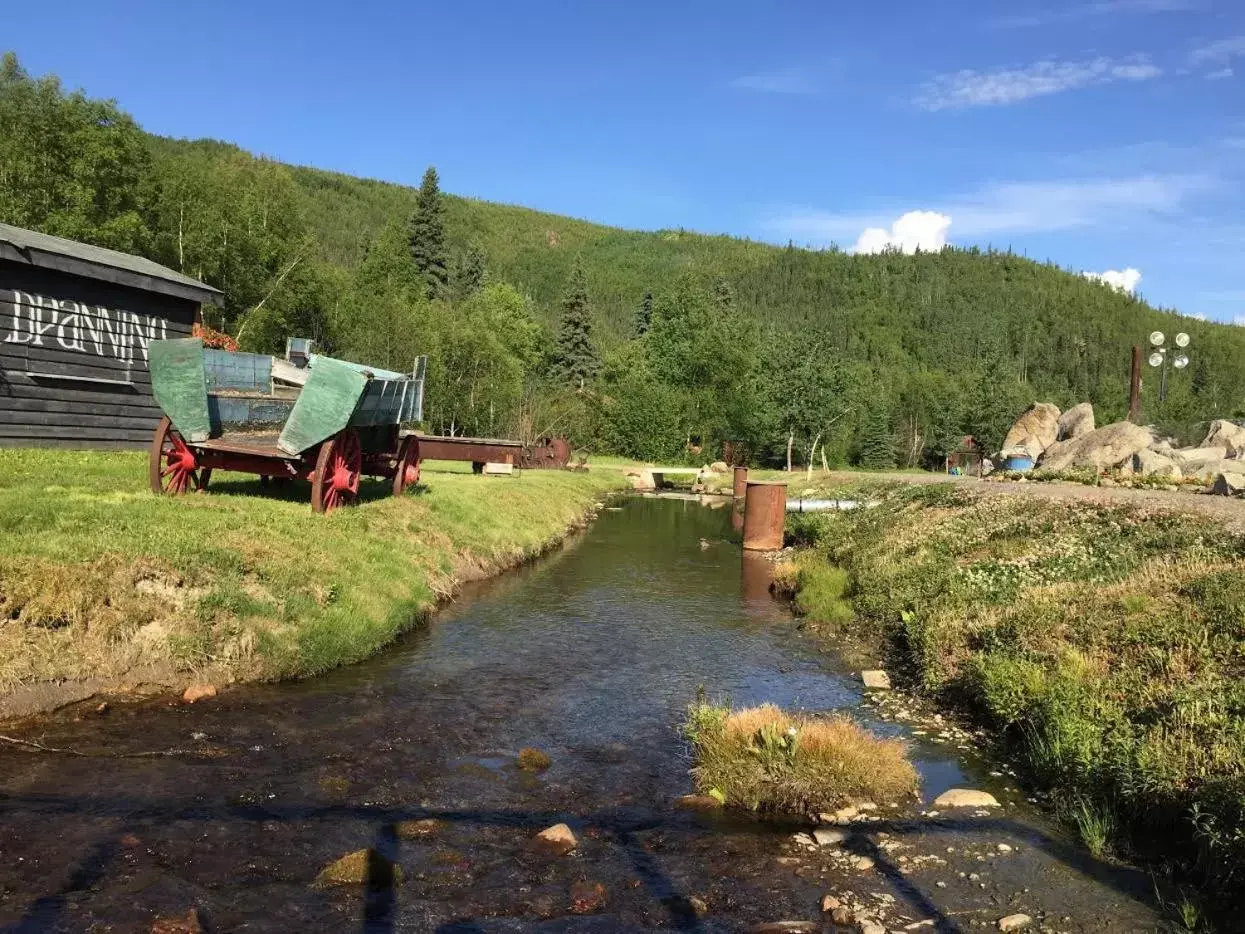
(591, 656)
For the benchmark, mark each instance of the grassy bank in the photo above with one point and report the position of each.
(101, 579)
(1106, 645)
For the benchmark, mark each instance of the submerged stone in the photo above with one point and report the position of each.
(188, 924)
(197, 692)
(415, 829)
(362, 867)
(1015, 922)
(531, 759)
(587, 897)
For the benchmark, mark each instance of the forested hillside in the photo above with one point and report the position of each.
(636, 343)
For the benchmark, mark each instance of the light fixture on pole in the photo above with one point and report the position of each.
(1159, 356)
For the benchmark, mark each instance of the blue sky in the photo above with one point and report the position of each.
(1106, 135)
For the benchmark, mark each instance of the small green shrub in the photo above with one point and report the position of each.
(1095, 824)
(821, 593)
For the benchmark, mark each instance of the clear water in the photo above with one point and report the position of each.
(591, 655)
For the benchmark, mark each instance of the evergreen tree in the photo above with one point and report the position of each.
(576, 360)
(470, 272)
(877, 441)
(427, 237)
(644, 314)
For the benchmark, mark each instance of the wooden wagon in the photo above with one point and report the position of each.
(330, 421)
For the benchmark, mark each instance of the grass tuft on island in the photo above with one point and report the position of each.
(101, 580)
(764, 759)
(1105, 644)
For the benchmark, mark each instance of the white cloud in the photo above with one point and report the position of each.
(1122, 280)
(1100, 8)
(1239, 321)
(1219, 74)
(1224, 50)
(784, 81)
(1002, 86)
(1018, 207)
(916, 230)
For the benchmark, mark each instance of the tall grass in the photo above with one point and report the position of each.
(764, 759)
(1106, 644)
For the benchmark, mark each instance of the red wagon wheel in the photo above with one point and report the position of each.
(173, 463)
(407, 472)
(335, 481)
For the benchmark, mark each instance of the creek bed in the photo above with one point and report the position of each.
(591, 655)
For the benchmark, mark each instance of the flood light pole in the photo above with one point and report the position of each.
(1159, 356)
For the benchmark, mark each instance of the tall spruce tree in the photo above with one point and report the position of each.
(877, 440)
(470, 272)
(427, 237)
(644, 314)
(576, 361)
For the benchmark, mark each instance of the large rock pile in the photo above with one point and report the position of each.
(1035, 431)
(1069, 441)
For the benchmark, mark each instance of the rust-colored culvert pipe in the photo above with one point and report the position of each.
(765, 512)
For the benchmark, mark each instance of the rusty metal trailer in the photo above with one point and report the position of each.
(547, 453)
(329, 422)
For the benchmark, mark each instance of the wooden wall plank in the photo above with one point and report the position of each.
(81, 333)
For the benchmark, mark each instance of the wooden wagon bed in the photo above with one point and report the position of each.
(329, 422)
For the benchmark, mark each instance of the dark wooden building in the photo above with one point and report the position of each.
(74, 325)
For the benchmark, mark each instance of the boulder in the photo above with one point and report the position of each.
(557, 840)
(1150, 463)
(641, 478)
(965, 798)
(1035, 431)
(1077, 421)
(829, 836)
(1229, 484)
(1099, 449)
(1228, 435)
(1200, 462)
(876, 680)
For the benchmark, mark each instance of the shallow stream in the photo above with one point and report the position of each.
(592, 655)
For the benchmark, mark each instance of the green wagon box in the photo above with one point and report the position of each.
(327, 420)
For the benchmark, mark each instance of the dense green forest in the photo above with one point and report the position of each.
(638, 343)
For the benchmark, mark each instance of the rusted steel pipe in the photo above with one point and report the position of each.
(741, 481)
(737, 504)
(765, 511)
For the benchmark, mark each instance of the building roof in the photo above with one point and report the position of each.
(93, 262)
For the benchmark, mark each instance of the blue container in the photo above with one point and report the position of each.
(1018, 463)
